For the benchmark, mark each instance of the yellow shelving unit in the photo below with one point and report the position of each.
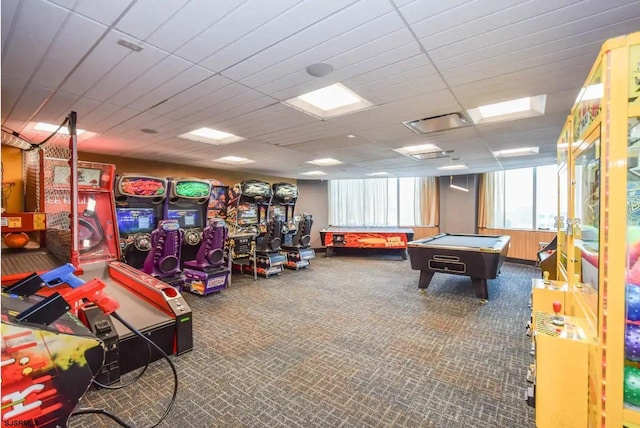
(599, 240)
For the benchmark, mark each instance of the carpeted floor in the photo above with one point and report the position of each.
(349, 342)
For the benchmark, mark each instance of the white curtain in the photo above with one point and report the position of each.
(361, 202)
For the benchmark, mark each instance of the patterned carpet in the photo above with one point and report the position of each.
(349, 342)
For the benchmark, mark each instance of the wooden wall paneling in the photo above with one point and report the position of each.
(524, 243)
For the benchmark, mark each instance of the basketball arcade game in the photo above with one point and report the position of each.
(139, 208)
(150, 305)
(296, 234)
(248, 211)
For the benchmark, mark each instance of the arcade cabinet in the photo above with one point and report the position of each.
(149, 304)
(248, 210)
(296, 234)
(139, 208)
(209, 272)
(217, 207)
(46, 366)
(187, 203)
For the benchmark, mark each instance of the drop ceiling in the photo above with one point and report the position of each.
(228, 65)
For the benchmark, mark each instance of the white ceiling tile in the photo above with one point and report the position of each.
(102, 59)
(67, 50)
(104, 11)
(9, 8)
(56, 107)
(145, 17)
(11, 90)
(168, 68)
(191, 20)
(245, 18)
(37, 25)
(307, 22)
(68, 4)
(129, 68)
(30, 101)
(173, 87)
(185, 99)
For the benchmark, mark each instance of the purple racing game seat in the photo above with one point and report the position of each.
(209, 272)
(163, 261)
(211, 251)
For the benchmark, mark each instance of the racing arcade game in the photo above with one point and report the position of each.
(150, 305)
(250, 201)
(139, 208)
(296, 234)
(187, 203)
(209, 272)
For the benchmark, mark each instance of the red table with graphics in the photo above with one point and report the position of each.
(384, 238)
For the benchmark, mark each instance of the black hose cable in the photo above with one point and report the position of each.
(82, 411)
(35, 145)
(94, 411)
(132, 381)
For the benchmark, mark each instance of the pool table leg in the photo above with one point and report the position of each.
(480, 287)
(425, 279)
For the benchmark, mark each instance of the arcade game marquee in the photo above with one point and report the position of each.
(139, 208)
(296, 233)
(382, 238)
(248, 210)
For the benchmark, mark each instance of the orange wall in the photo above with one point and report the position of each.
(12, 172)
(165, 169)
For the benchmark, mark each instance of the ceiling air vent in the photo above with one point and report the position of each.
(437, 123)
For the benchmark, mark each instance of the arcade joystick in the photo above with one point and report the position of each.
(545, 277)
(557, 319)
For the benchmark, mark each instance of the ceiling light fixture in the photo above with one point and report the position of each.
(453, 167)
(129, 45)
(454, 186)
(325, 162)
(233, 160)
(509, 110)
(522, 151)
(376, 174)
(313, 173)
(351, 136)
(211, 136)
(330, 101)
(48, 127)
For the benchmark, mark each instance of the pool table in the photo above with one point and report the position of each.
(477, 256)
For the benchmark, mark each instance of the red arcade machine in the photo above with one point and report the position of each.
(296, 235)
(139, 208)
(248, 209)
(150, 305)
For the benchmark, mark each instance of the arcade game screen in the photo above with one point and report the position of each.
(247, 214)
(278, 211)
(135, 220)
(186, 218)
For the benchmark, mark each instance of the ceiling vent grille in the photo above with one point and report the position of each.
(437, 123)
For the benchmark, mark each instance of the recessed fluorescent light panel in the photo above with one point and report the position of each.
(313, 173)
(233, 160)
(422, 148)
(523, 151)
(325, 162)
(452, 167)
(509, 110)
(48, 127)
(211, 136)
(377, 174)
(330, 101)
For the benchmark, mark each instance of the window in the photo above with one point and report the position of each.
(407, 201)
(525, 198)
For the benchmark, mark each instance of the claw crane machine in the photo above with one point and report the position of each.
(600, 243)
